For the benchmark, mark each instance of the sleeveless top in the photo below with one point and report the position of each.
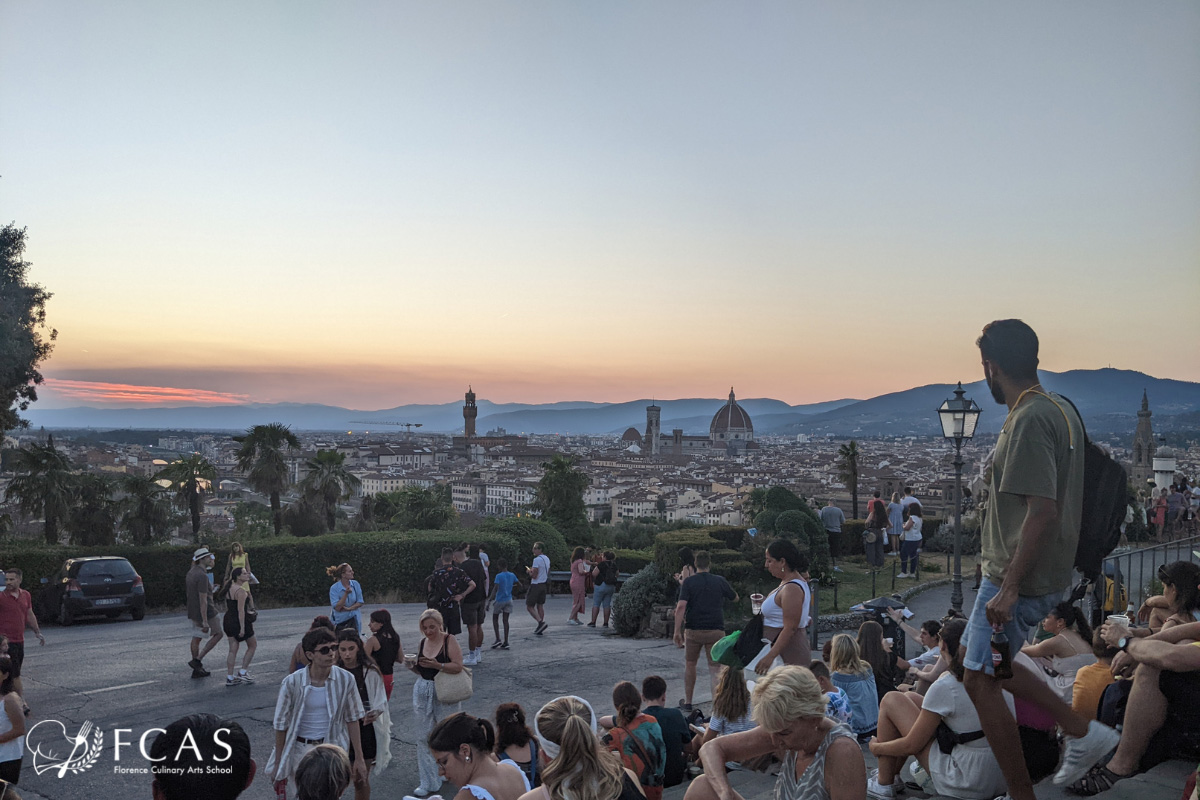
(480, 793)
(239, 561)
(811, 784)
(529, 769)
(385, 656)
(772, 612)
(360, 680)
(443, 657)
(14, 749)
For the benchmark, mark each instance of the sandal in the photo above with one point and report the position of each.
(1098, 779)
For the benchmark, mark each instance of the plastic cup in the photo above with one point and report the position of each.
(410, 658)
(1118, 619)
(756, 601)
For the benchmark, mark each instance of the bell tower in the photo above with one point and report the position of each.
(653, 426)
(1143, 447)
(470, 412)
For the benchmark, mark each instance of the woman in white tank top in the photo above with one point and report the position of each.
(785, 610)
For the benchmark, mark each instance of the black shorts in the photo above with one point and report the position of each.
(452, 619)
(472, 614)
(1179, 737)
(366, 735)
(536, 595)
(16, 651)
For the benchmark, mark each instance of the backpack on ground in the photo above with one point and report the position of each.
(1105, 497)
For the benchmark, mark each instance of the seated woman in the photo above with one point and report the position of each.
(516, 743)
(929, 665)
(730, 708)
(886, 665)
(1068, 648)
(462, 747)
(1178, 604)
(942, 730)
(637, 738)
(854, 676)
(821, 759)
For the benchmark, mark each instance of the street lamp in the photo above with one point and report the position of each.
(959, 416)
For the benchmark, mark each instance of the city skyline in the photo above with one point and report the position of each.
(377, 205)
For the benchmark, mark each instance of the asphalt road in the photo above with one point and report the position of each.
(125, 674)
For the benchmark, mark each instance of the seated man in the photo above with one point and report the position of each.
(1162, 718)
(221, 751)
(677, 736)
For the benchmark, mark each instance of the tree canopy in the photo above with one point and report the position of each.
(560, 498)
(261, 457)
(24, 340)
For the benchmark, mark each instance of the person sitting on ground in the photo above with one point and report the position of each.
(677, 736)
(299, 658)
(1178, 604)
(1091, 680)
(1068, 648)
(821, 760)
(515, 742)
(731, 711)
(462, 746)
(323, 773)
(637, 738)
(854, 676)
(942, 730)
(926, 668)
(1162, 717)
(886, 665)
(839, 702)
(580, 768)
(185, 751)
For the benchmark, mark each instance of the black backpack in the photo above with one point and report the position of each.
(1105, 497)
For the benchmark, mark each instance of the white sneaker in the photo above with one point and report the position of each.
(469, 658)
(1079, 755)
(478, 656)
(878, 791)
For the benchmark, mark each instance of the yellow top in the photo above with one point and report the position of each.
(240, 561)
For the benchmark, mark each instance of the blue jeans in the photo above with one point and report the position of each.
(602, 595)
(908, 556)
(977, 638)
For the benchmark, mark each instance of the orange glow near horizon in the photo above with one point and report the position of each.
(128, 394)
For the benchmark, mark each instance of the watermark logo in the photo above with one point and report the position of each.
(81, 750)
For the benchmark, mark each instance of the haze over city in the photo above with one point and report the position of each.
(377, 204)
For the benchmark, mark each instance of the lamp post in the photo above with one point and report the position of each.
(959, 415)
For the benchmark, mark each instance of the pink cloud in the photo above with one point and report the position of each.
(126, 393)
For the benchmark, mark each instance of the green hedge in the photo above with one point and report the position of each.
(725, 561)
(633, 561)
(525, 531)
(849, 541)
(291, 570)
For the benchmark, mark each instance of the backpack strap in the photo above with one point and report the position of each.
(533, 761)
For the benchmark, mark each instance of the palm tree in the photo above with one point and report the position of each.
(327, 483)
(261, 458)
(44, 485)
(425, 509)
(847, 465)
(190, 477)
(92, 520)
(148, 515)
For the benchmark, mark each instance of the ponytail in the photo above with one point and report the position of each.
(1071, 614)
(627, 702)
(582, 770)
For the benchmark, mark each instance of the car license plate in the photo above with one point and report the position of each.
(109, 601)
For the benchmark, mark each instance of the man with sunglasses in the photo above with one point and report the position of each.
(317, 704)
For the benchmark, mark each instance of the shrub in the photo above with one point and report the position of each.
(526, 531)
(632, 561)
(730, 535)
(942, 541)
(638, 596)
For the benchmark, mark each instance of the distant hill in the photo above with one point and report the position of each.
(1108, 399)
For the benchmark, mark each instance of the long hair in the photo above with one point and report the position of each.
(510, 727)
(732, 700)
(577, 554)
(870, 646)
(787, 552)
(627, 701)
(583, 769)
(951, 636)
(1185, 577)
(686, 557)
(1074, 618)
(384, 618)
(364, 660)
(844, 656)
(336, 572)
(6, 666)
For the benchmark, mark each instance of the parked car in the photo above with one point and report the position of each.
(95, 585)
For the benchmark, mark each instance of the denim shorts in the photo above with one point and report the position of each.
(977, 638)
(602, 595)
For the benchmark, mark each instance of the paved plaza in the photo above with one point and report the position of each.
(134, 675)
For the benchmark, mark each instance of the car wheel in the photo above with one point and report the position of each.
(137, 613)
(65, 616)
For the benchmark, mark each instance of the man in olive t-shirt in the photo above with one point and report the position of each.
(1035, 496)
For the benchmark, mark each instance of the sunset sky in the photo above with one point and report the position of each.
(376, 203)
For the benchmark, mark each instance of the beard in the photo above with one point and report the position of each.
(994, 388)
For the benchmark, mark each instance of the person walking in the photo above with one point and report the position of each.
(316, 705)
(912, 541)
(445, 590)
(384, 646)
(202, 612)
(238, 557)
(786, 609)
(539, 580)
(832, 519)
(1029, 537)
(700, 622)
(239, 627)
(473, 600)
(437, 652)
(375, 728)
(501, 601)
(579, 573)
(605, 575)
(345, 598)
(16, 612)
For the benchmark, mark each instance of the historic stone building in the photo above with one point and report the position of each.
(731, 432)
(1142, 468)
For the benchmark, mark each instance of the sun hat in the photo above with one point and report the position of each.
(201, 553)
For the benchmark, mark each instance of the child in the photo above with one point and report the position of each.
(502, 586)
(1093, 679)
(839, 701)
(855, 677)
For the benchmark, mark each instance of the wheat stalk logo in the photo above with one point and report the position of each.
(83, 755)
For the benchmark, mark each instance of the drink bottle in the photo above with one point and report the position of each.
(1001, 655)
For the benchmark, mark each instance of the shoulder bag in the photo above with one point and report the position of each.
(451, 688)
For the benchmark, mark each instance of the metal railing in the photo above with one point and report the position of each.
(1134, 570)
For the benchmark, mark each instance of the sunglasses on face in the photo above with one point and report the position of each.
(325, 649)
(1163, 576)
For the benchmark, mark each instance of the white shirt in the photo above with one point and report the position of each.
(542, 564)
